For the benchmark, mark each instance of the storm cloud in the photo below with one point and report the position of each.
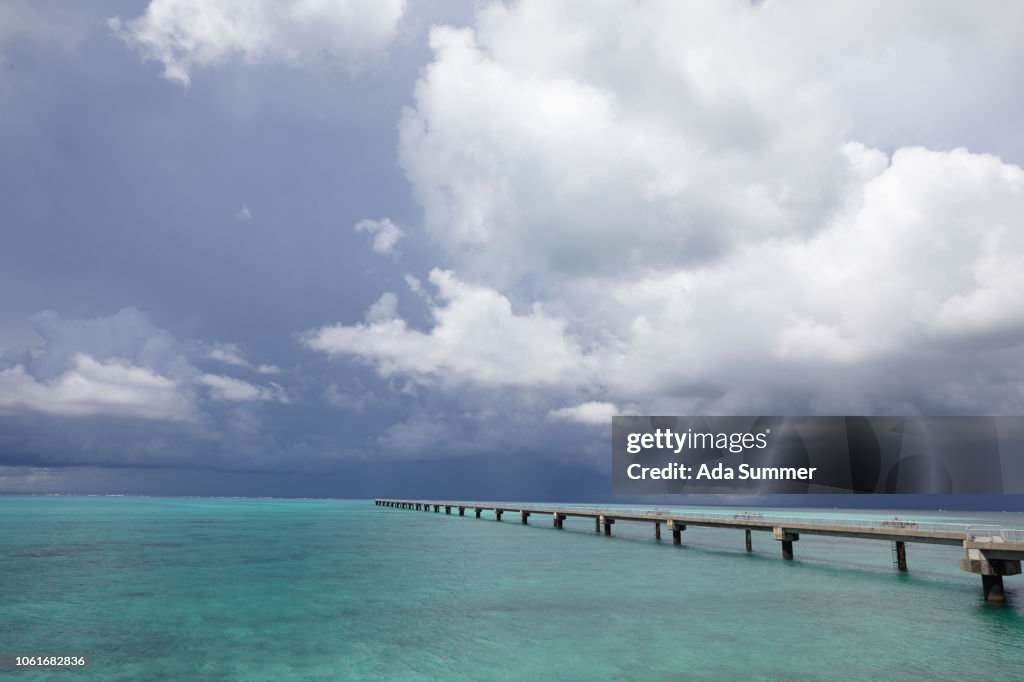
(287, 238)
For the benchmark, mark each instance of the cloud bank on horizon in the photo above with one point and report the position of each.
(659, 207)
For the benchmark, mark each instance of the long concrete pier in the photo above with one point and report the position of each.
(989, 551)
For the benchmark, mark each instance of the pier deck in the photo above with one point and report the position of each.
(989, 551)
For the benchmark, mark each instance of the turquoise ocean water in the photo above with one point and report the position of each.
(225, 589)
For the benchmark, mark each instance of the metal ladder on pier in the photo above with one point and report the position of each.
(895, 556)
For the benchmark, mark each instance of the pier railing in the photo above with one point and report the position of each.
(990, 533)
(967, 530)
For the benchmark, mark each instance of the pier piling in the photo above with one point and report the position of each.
(992, 588)
(657, 531)
(901, 555)
(787, 539)
(524, 515)
(677, 532)
(750, 542)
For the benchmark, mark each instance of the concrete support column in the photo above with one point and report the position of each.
(677, 532)
(524, 515)
(477, 510)
(498, 513)
(992, 587)
(462, 511)
(750, 542)
(447, 509)
(657, 531)
(557, 519)
(607, 523)
(986, 561)
(597, 524)
(437, 508)
(901, 556)
(787, 539)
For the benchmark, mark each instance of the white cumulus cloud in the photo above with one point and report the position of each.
(384, 232)
(122, 365)
(384, 308)
(476, 337)
(237, 390)
(231, 354)
(185, 35)
(559, 139)
(594, 413)
(90, 387)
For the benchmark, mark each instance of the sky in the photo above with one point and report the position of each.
(360, 248)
